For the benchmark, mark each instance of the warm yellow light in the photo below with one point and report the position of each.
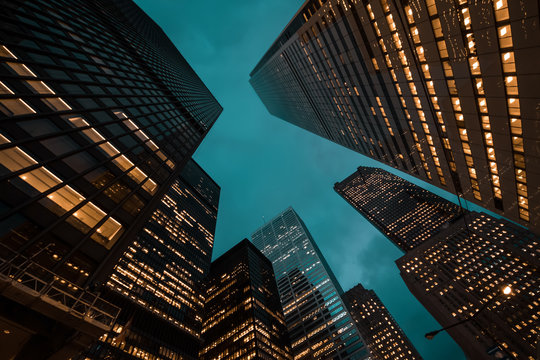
(507, 290)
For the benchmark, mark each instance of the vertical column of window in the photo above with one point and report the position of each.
(331, 82)
(452, 89)
(481, 104)
(408, 75)
(343, 106)
(506, 50)
(419, 51)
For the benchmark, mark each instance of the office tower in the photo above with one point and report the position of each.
(401, 210)
(318, 322)
(158, 280)
(383, 336)
(243, 318)
(443, 90)
(463, 270)
(99, 113)
(456, 269)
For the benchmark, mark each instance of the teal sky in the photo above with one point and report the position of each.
(264, 164)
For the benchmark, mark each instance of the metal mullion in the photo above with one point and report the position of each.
(62, 218)
(72, 179)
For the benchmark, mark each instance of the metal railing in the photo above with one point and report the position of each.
(37, 281)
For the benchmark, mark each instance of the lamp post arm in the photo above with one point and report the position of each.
(430, 335)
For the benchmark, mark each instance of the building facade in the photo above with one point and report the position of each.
(243, 318)
(99, 114)
(158, 280)
(401, 210)
(457, 266)
(443, 90)
(384, 337)
(461, 270)
(318, 322)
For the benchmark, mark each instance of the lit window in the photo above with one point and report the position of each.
(511, 85)
(513, 107)
(517, 143)
(21, 69)
(120, 160)
(489, 138)
(437, 28)
(479, 86)
(65, 198)
(505, 36)
(474, 65)
(441, 45)
(4, 52)
(448, 69)
(432, 9)
(466, 18)
(515, 126)
(15, 107)
(501, 10)
(482, 105)
(39, 87)
(509, 64)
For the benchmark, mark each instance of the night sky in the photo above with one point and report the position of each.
(264, 164)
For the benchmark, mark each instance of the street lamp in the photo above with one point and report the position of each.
(507, 290)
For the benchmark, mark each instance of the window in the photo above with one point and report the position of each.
(442, 49)
(15, 107)
(511, 85)
(509, 64)
(437, 28)
(479, 86)
(517, 143)
(64, 199)
(515, 126)
(474, 65)
(501, 10)
(20, 69)
(505, 36)
(513, 107)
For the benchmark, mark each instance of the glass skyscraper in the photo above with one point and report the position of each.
(443, 90)
(99, 113)
(318, 322)
(243, 318)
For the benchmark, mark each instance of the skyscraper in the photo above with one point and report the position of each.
(318, 322)
(463, 270)
(384, 337)
(158, 280)
(99, 114)
(403, 211)
(443, 90)
(457, 268)
(243, 318)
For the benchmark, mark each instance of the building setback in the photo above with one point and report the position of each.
(384, 337)
(443, 90)
(401, 210)
(461, 267)
(318, 322)
(99, 113)
(243, 318)
(158, 280)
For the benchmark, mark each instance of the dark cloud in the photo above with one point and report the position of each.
(263, 164)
